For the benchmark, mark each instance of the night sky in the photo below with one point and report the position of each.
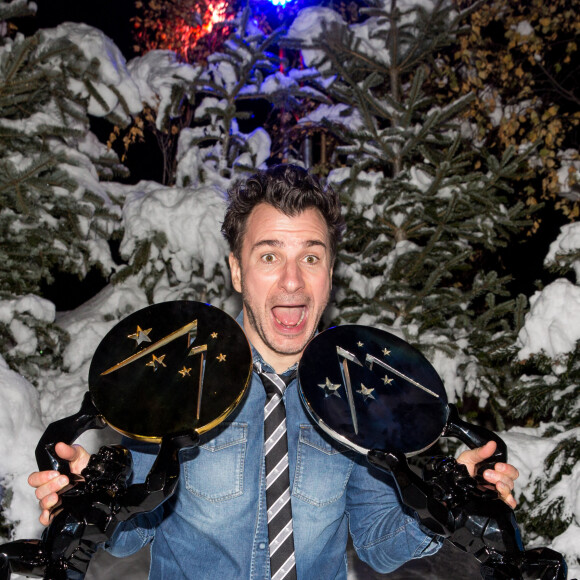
(110, 16)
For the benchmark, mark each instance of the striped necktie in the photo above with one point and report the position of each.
(281, 540)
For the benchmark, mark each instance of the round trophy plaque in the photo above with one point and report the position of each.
(369, 389)
(170, 368)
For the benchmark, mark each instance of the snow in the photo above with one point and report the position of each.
(567, 242)
(24, 335)
(157, 75)
(420, 179)
(20, 430)
(524, 28)
(259, 144)
(115, 79)
(29, 125)
(369, 184)
(39, 308)
(552, 325)
(277, 81)
(222, 73)
(309, 25)
(341, 114)
(447, 368)
(527, 449)
(188, 218)
(569, 174)
(372, 39)
(568, 543)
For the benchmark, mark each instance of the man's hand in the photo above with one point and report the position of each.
(502, 476)
(49, 483)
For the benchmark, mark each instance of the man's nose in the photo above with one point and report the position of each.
(291, 278)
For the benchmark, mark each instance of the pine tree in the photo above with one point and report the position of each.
(218, 142)
(56, 216)
(429, 207)
(546, 396)
(426, 208)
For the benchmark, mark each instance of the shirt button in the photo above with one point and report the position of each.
(262, 546)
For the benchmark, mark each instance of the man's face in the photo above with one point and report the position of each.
(284, 275)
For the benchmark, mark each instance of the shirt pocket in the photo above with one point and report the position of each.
(214, 471)
(322, 470)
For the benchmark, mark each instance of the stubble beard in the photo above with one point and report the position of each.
(255, 322)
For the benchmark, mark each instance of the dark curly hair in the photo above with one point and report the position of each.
(288, 188)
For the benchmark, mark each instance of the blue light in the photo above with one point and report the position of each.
(280, 2)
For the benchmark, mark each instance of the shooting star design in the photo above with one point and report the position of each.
(347, 356)
(370, 359)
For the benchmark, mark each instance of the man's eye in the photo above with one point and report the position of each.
(268, 258)
(311, 259)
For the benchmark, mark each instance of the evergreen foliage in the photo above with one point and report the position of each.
(238, 83)
(426, 209)
(211, 118)
(232, 77)
(545, 396)
(395, 98)
(55, 215)
(549, 399)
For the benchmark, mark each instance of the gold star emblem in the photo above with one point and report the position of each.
(359, 343)
(140, 335)
(156, 362)
(366, 392)
(221, 357)
(387, 381)
(386, 352)
(184, 371)
(214, 334)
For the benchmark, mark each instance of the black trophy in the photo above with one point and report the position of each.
(379, 396)
(165, 374)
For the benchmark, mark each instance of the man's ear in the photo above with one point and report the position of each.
(236, 272)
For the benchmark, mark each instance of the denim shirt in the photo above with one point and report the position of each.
(214, 526)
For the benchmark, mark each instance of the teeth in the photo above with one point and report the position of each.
(292, 325)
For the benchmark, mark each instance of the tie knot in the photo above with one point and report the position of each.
(274, 384)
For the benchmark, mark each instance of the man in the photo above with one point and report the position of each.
(283, 229)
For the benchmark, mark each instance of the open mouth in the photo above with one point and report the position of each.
(289, 317)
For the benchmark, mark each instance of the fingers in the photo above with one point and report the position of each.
(39, 478)
(49, 483)
(504, 489)
(508, 471)
(503, 477)
(76, 455)
(480, 454)
(44, 518)
(472, 457)
(67, 452)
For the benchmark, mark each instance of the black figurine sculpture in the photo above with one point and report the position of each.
(380, 397)
(165, 374)
(90, 510)
(368, 389)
